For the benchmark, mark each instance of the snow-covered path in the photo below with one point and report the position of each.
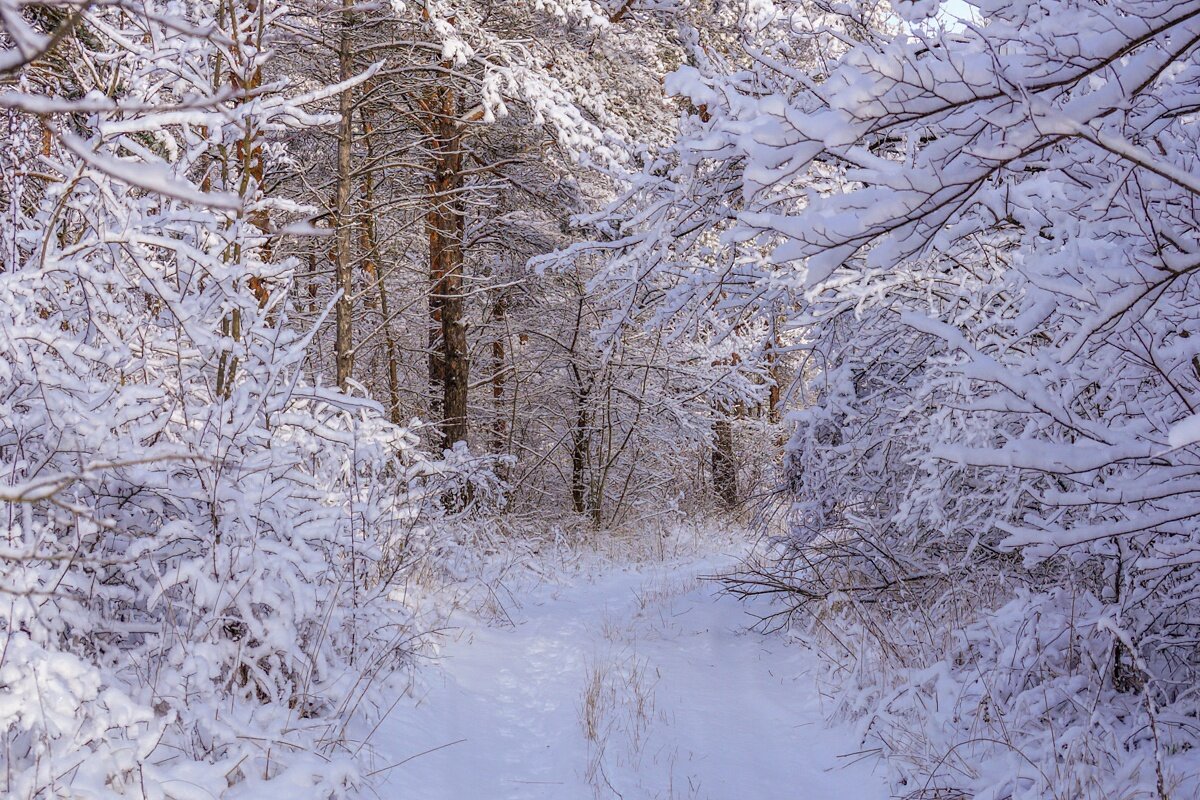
(637, 684)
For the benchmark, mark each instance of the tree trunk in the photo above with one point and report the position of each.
(445, 224)
(499, 359)
(775, 371)
(375, 270)
(246, 77)
(724, 465)
(579, 456)
(344, 341)
(580, 434)
(393, 368)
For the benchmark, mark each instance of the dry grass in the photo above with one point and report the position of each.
(616, 713)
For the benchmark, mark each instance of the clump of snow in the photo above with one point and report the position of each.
(1185, 432)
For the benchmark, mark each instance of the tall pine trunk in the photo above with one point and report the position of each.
(445, 225)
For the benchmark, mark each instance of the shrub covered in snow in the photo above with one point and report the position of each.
(198, 544)
(982, 237)
(999, 309)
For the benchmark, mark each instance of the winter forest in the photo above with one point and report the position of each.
(569, 399)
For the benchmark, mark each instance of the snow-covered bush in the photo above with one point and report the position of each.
(198, 543)
(999, 305)
(982, 237)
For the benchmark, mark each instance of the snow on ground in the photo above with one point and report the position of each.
(635, 683)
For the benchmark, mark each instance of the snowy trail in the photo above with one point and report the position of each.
(639, 684)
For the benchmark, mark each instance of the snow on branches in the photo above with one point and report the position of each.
(198, 544)
(984, 237)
